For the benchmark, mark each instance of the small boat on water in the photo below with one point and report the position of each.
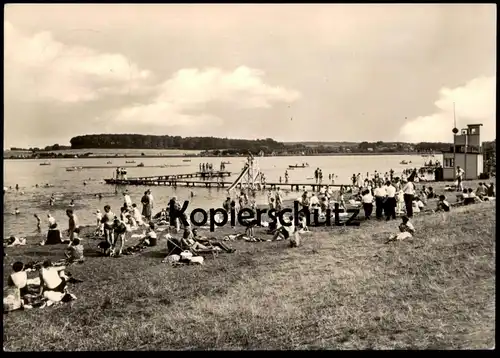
(45, 163)
(186, 160)
(109, 163)
(225, 163)
(403, 162)
(72, 169)
(130, 161)
(140, 164)
(298, 166)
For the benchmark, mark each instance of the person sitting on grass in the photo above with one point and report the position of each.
(52, 278)
(442, 204)
(462, 196)
(74, 253)
(284, 231)
(481, 191)
(490, 190)
(417, 205)
(19, 278)
(302, 223)
(161, 216)
(406, 230)
(430, 193)
(151, 238)
(471, 198)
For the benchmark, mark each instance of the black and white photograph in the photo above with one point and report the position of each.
(234, 177)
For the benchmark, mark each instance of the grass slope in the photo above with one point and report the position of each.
(343, 289)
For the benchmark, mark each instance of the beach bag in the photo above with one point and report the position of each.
(196, 260)
(172, 259)
(12, 299)
(53, 295)
(186, 255)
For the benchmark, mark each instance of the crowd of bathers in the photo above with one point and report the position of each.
(386, 195)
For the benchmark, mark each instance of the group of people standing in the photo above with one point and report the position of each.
(208, 167)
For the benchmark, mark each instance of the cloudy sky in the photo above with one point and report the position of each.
(290, 72)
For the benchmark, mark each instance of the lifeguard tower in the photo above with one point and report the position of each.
(465, 153)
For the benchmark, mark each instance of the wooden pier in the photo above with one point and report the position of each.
(111, 166)
(186, 182)
(154, 180)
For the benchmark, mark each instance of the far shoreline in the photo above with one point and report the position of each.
(213, 156)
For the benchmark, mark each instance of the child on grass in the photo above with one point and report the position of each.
(74, 252)
(406, 229)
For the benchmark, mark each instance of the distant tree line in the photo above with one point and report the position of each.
(46, 149)
(137, 141)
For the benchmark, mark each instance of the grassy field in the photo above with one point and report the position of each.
(344, 288)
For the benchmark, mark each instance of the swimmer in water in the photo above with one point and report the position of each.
(17, 186)
(72, 203)
(38, 222)
(84, 183)
(52, 200)
(100, 196)
(192, 193)
(17, 212)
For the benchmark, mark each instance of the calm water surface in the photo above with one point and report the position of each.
(69, 185)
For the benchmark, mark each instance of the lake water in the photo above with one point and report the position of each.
(69, 185)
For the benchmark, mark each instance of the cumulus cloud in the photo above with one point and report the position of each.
(39, 68)
(475, 102)
(182, 99)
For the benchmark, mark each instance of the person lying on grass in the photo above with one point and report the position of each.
(74, 253)
(406, 229)
(211, 242)
(189, 242)
(14, 241)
